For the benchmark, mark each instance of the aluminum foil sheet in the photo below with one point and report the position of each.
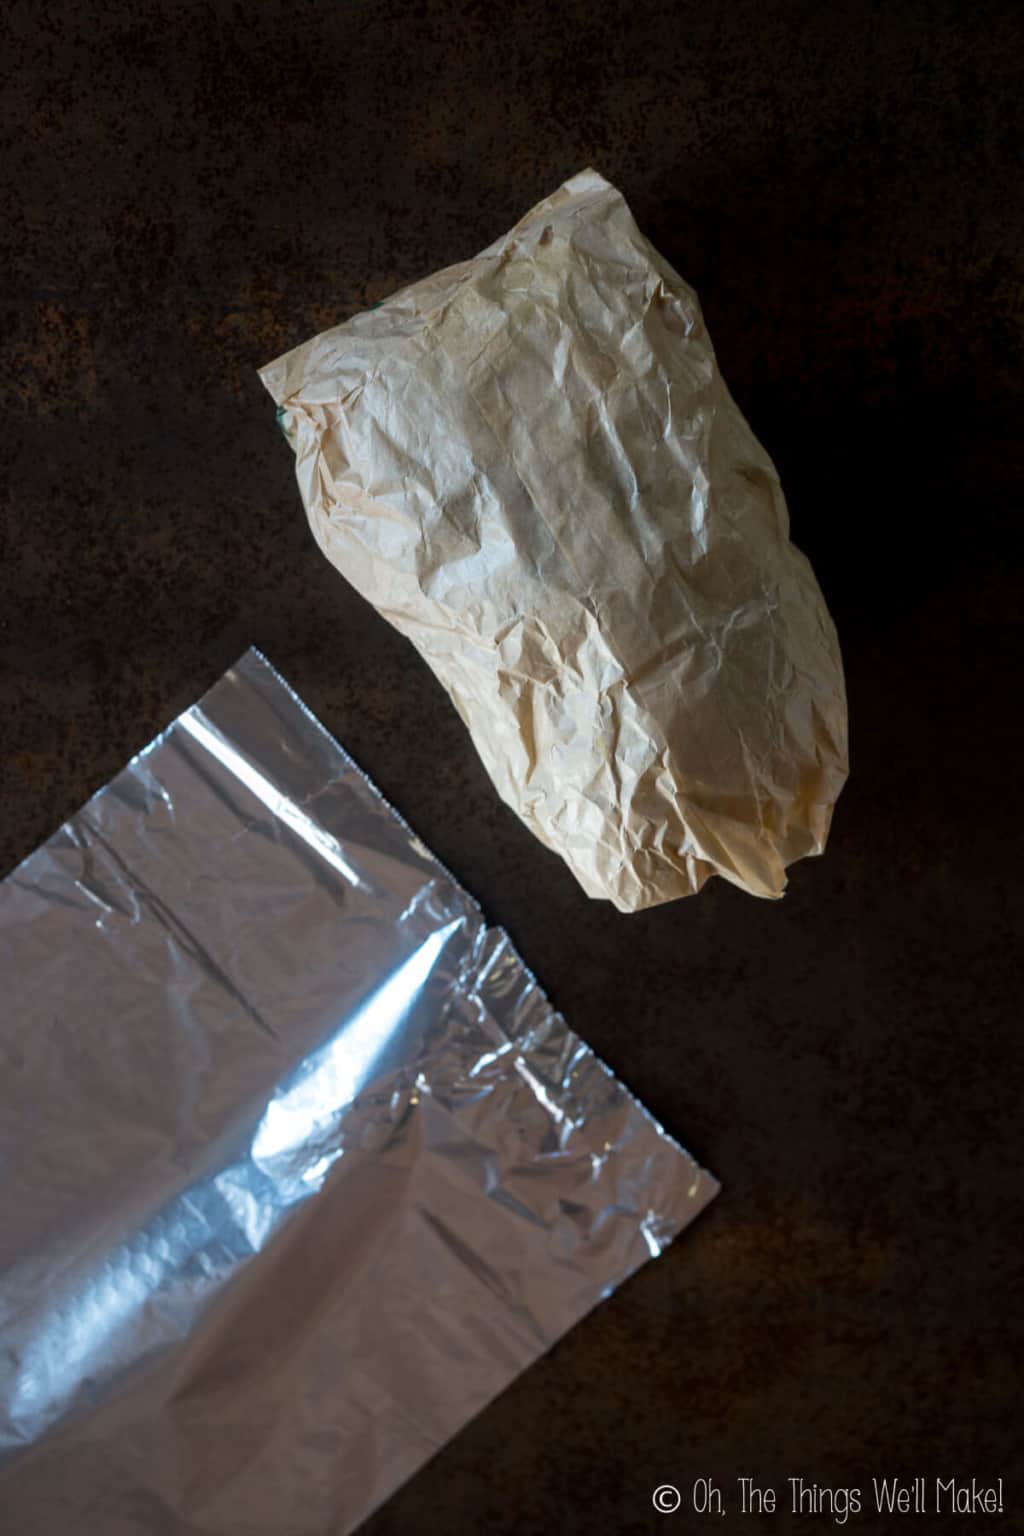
(299, 1166)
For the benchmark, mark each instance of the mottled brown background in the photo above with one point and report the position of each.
(191, 188)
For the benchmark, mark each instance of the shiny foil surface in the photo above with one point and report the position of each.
(299, 1166)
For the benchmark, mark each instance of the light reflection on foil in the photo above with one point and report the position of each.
(280, 806)
(299, 1167)
(328, 1081)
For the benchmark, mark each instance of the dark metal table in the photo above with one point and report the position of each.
(190, 190)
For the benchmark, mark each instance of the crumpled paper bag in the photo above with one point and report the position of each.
(531, 465)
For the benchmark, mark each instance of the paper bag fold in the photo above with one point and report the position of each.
(531, 465)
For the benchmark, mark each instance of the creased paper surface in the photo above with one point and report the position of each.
(532, 466)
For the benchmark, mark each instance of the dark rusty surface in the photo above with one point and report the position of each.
(187, 191)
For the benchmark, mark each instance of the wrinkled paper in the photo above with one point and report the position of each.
(300, 1168)
(532, 466)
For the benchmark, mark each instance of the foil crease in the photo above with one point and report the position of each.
(532, 466)
(299, 1165)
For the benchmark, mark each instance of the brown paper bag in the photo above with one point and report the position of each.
(531, 465)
